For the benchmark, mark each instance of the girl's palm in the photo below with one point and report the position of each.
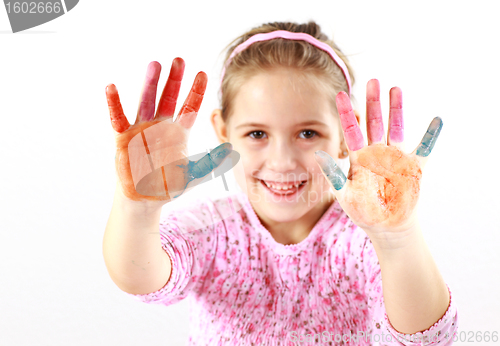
(151, 159)
(383, 184)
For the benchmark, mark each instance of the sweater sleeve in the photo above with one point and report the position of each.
(440, 333)
(187, 236)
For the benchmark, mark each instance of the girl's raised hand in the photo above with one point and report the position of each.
(151, 157)
(381, 191)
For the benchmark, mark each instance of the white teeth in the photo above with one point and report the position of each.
(284, 188)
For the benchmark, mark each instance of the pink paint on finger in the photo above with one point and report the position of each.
(374, 122)
(352, 132)
(396, 126)
(148, 97)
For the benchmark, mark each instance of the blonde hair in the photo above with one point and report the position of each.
(299, 55)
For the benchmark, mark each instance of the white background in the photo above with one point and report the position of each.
(57, 146)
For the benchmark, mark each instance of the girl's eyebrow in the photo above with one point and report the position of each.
(250, 125)
(304, 123)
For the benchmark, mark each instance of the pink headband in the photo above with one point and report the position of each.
(290, 36)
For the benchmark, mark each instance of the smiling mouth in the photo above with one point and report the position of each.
(283, 188)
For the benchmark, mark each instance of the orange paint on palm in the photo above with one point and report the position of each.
(396, 177)
(131, 146)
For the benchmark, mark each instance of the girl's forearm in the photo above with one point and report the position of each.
(415, 293)
(132, 248)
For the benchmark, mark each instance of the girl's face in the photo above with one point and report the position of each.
(279, 120)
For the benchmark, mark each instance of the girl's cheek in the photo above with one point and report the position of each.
(242, 172)
(319, 180)
(315, 171)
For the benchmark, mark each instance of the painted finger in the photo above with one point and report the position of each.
(187, 172)
(168, 99)
(331, 170)
(193, 101)
(352, 132)
(430, 138)
(209, 162)
(118, 119)
(395, 136)
(147, 104)
(374, 122)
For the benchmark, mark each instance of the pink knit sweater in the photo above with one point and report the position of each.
(247, 289)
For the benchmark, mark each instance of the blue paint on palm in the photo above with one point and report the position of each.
(331, 169)
(430, 137)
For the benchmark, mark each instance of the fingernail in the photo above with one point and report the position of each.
(111, 89)
(331, 169)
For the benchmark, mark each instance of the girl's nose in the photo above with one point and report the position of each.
(281, 157)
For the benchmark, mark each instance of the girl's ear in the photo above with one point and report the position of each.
(219, 125)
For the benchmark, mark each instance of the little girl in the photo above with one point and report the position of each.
(303, 255)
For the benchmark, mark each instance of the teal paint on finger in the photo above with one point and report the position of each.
(201, 167)
(204, 166)
(430, 137)
(331, 169)
(208, 163)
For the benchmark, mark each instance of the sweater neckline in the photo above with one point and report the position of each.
(292, 249)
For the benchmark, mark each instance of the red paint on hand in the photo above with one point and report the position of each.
(396, 126)
(168, 99)
(146, 110)
(118, 119)
(193, 100)
(192, 104)
(352, 132)
(374, 122)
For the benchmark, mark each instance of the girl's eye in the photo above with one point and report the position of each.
(257, 134)
(308, 134)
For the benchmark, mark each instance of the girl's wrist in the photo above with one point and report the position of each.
(390, 240)
(143, 207)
